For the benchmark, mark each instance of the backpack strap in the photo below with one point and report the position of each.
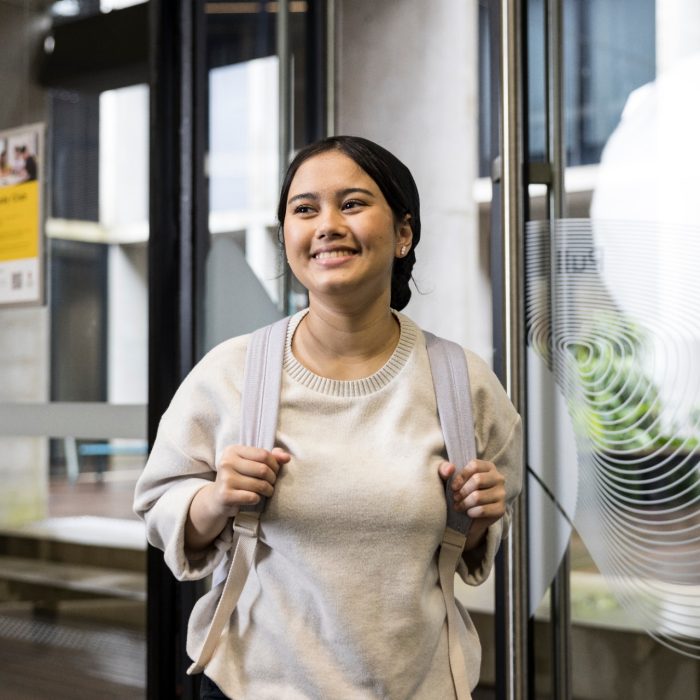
(260, 398)
(448, 366)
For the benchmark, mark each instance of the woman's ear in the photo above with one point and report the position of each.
(404, 236)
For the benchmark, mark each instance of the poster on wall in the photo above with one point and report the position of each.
(21, 254)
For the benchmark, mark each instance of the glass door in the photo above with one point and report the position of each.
(261, 105)
(73, 377)
(611, 306)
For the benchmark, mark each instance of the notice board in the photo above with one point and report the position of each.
(21, 242)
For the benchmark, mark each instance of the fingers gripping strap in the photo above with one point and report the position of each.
(262, 380)
(451, 381)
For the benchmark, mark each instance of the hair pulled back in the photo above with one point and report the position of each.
(394, 180)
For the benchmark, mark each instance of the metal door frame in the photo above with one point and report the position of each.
(512, 174)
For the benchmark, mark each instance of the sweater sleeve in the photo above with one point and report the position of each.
(498, 433)
(202, 419)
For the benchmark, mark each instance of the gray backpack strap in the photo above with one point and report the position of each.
(448, 366)
(261, 390)
(260, 399)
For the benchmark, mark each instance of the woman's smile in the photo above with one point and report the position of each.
(329, 257)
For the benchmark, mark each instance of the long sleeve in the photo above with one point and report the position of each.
(498, 432)
(200, 422)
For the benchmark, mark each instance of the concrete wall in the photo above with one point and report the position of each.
(24, 354)
(407, 78)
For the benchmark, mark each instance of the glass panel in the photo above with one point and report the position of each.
(243, 177)
(73, 391)
(243, 165)
(612, 305)
(536, 87)
(610, 51)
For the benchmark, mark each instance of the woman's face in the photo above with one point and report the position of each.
(340, 234)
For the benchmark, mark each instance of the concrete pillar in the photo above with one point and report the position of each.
(407, 78)
(24, 347)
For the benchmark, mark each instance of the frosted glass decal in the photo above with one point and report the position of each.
(613, 313)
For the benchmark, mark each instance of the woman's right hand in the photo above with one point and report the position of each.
(243, 475)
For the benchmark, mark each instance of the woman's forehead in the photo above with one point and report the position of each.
(330, 170)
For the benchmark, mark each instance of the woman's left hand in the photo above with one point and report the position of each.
(479, 490)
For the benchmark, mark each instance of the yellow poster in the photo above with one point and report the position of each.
(19, 223)
(21, 268)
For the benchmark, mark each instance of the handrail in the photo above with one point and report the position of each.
(512, 225)
(86, 420)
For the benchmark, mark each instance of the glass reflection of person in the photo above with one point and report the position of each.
(344, 599)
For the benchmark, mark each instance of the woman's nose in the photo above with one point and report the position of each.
(331, 224)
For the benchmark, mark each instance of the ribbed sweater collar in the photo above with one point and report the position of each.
(352, 387)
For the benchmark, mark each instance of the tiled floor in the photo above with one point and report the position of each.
(89, 649)
(43, 659)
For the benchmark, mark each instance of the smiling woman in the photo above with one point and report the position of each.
(343, 598)
(374, 173)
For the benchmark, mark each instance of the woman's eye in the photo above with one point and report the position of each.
(352, 204)
(302, 209)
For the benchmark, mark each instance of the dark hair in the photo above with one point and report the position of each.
(394, 180)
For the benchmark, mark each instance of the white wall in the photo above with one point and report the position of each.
(127, 297)
(407, 78)
(124, 140)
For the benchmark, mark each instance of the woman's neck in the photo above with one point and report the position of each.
(346, 344)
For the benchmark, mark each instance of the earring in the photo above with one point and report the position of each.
(403, 250)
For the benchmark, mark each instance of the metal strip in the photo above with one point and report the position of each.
(285, 88)
(74, 420)
(560, 598)
(330, 67)
(512, 217)
(284, 125)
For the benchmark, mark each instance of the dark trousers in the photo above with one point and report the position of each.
(208, 690)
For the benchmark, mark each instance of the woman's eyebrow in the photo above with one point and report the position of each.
(352, 190)
(303, 195)
(340, 193)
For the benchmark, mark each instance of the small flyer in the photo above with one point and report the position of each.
(21, 245)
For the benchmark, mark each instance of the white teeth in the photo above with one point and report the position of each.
(332, 254)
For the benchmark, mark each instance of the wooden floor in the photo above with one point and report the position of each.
(111, 497)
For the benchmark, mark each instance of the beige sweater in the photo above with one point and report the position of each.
(344, 601)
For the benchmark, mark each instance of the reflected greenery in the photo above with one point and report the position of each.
(646, 452)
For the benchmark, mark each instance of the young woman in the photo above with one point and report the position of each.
(344, 599)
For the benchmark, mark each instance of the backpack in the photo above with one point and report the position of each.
(259, 408)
